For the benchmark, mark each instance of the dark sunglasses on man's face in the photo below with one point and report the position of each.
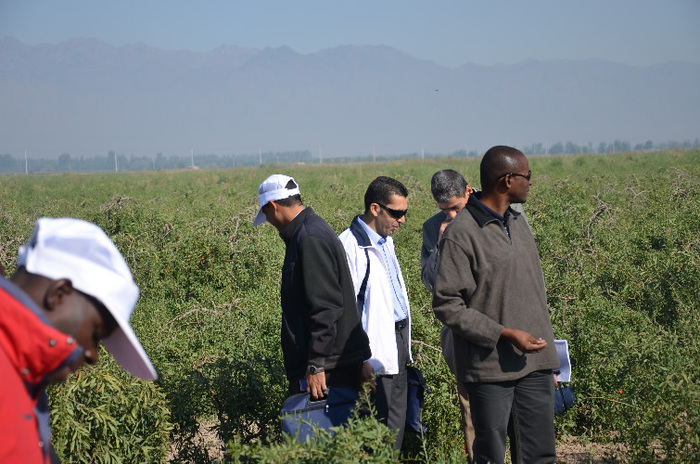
(517, 174)
(395, 213)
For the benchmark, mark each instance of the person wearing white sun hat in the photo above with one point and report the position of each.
(71, 290)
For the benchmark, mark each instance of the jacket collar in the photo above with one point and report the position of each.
(482, 215)
(32, 345)
(360, 233)
(289, 231)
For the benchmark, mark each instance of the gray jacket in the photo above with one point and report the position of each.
(428, 251)
(489, 277)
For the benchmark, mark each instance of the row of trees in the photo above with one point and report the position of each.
(66, 163)
(603, 147)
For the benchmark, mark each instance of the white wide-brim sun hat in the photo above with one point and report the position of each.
(67, 248)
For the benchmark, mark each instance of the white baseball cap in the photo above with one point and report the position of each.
(272, 189)
(67, 248)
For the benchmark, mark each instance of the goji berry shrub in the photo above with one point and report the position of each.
(619, 244)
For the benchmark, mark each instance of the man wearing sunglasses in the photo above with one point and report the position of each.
(381, 295)
(451, 193)
(489, 290)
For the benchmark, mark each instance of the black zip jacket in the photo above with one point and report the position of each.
(320, 321)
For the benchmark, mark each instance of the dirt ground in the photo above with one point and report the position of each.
(570, 451)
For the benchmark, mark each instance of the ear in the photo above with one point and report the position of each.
(468, 191)
(56, 293)
(374, 209)
(508, 181)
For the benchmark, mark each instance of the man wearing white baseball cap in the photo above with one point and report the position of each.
(71, 290)
(322, 338)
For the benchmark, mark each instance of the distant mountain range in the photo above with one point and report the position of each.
(86, 97)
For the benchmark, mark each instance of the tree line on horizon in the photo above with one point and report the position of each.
(10, 164)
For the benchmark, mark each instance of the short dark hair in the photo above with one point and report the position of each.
(497, 161)
(446, 184)
(293, 200)
(381, 189)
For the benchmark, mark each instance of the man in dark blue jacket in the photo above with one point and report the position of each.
(323, 341)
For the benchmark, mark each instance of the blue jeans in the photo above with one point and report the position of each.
(521, 409)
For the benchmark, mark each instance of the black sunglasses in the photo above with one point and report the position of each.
(517, 174)
(395, 213)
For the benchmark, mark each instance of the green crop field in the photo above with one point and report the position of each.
(619, 238)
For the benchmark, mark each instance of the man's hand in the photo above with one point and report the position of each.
(316, 385)
(368, 376)
(523, 340)
(443, 226)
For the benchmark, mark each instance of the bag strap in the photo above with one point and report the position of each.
(362, 241)
(363, 287)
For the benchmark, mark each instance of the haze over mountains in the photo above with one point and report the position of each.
(85, 97)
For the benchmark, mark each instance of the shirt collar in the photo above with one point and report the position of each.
(373, 236)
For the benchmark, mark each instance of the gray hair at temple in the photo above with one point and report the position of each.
(446, 184)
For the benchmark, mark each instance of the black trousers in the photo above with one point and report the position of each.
(392, 390)
(521, 409)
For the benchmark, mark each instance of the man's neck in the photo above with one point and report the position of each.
(369, 220)
(289, 213)
(496, 202)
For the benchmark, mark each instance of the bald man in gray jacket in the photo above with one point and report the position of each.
(489, 290)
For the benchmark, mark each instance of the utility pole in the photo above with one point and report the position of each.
(26, 164)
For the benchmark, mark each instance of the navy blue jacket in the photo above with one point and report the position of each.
(320, 321)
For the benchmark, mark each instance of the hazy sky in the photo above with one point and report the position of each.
(449, 32)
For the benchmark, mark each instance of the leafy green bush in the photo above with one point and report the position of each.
(101, 414)
(618, 238)
(363, 439)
